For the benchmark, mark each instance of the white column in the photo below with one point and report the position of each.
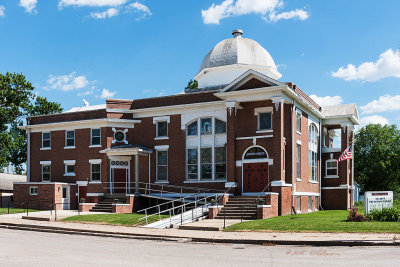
(136, 174)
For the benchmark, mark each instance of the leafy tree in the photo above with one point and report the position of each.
(192, 84)
(377, 157)
(17, 101)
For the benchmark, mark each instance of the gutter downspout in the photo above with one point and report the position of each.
(28, 159)
(293, 147)
(320, 163)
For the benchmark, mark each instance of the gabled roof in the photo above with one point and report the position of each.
(7, 181)
(341, 111)
(240, 82)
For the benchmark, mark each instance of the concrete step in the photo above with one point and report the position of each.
(200, 228)
(237, 217)
(43, 219)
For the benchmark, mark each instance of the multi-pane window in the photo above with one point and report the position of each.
(331, 168)
(95, 137)
(265, 121)
(298, 161)
(313, 152)
(192, 164)
(70, 169)
(220, 163)
(95, 172)
(298, 122)
(46, 172)
(206, 126)
(309, 204)
(46, 140)
(70, 138)
(220, 126)
(33, 190)
(192, 129)
(162, 128)
(298, 202)
(206, 163)
(162, 165)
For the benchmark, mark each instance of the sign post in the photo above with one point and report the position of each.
(377, 200)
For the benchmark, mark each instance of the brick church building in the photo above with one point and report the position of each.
(242, 128)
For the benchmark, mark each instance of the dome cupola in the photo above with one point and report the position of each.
(232, 57)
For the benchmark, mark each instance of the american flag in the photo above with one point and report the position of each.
(347, 154)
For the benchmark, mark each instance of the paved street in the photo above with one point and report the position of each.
(24, 248)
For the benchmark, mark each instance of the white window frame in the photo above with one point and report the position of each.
(95, 162)
(299, 116)
(33, 193)
(66, 138)
(313, 150)
(326, 168)
(46, 147)
(316, 203)
(160, 119)
(199, 146)
(261, 110)
(91, 137)
(298, 204)
(165, 149)
(66, 164)
(42, 165)
(309, 199)
(298, 160)
(161, 136)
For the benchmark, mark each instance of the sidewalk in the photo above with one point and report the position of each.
(261, 238)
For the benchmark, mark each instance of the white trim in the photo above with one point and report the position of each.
(312, 182)
(82, 183)
(82, 124)
(66, 138)
(260, 194)
(342, 186)
(95, 182)
(69, 174)
(157, 165)
(269, 160)
(280, 183)
(95, 161)
(94, 146)
(45, 148)
(39, 183)
(298, 179)
(87, 204)
(30, 191)
(263, 206)
(161, 138)
(265, 131)
(252, 137)
(204, 181)
(331, 176)
(94, 194)
(163, 147)
(263, 110)
(298, 142)
(69, 162)
(306, 194)
(161, 182)
(69, 147)
(163, 118)
(45, 163)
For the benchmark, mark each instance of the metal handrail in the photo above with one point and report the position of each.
(263, 191)
(182, 207)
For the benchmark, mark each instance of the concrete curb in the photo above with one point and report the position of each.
(61, 230)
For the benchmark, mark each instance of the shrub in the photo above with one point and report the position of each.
(354, 216)
(384, 215)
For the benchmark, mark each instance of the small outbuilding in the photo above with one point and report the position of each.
(6, 188)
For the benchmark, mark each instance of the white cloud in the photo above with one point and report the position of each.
(266, 8)
(107, 94)
(2, 11)
(91, 3)
(29, 5)
(111, 12)
(384, 103)
(388, 65)
(325, 101)
(374, 119)
(139, 7)
(67, 82)
(298, 13)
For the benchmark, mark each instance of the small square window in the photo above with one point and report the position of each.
(33, 190)
(70, 138)
(95, 137)
(265, 121)
(162, 128)
(70, 169)
(46, 140)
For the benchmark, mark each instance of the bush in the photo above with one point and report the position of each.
(354, 216)
(384, 215)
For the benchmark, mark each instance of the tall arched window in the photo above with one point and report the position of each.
(313, 151)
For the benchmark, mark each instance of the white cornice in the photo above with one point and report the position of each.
(81, 124)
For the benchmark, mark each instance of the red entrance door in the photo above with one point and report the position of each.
(255, 176)
(119, 180)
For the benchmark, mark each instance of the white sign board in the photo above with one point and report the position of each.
(377, 200)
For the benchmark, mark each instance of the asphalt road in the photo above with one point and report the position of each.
(24, 248)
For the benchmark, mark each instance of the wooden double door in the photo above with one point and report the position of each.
(255, 176)
(120, 180)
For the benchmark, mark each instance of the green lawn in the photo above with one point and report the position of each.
(12, 210)
(130, 219)
(321, 221)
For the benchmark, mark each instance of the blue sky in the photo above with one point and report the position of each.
(75, 49)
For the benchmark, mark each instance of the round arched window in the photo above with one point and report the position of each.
(256, 153)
